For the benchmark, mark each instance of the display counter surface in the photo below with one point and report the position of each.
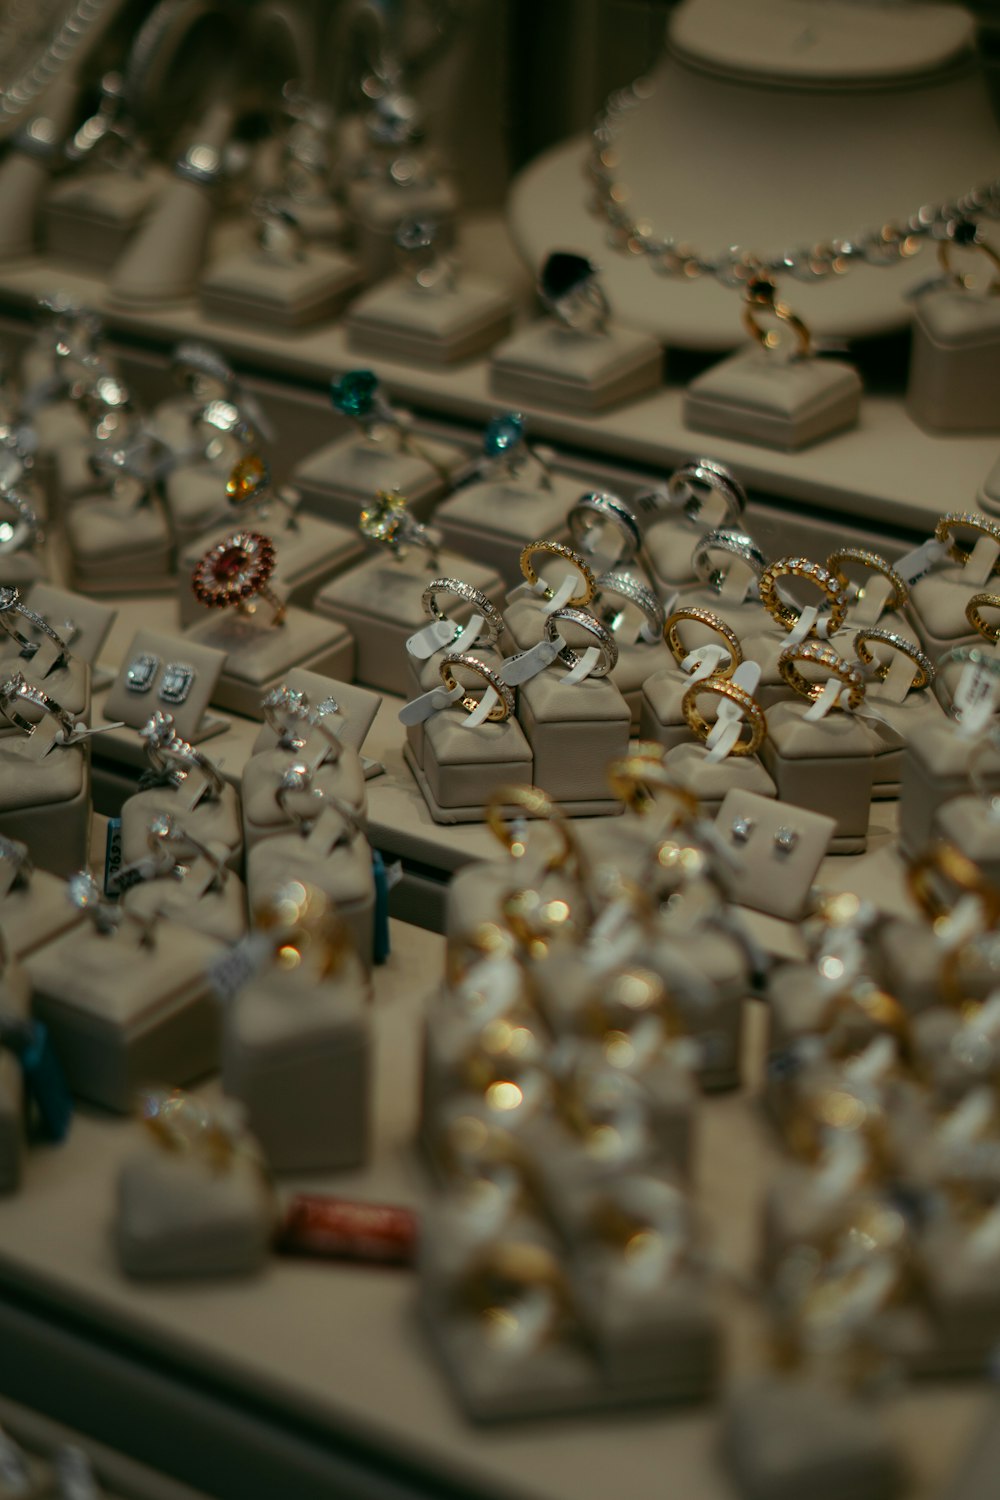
(886, 470)
(314, 1379)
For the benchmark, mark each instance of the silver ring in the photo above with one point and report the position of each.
(25, 530)
(925, 667)
(570, 288)
(10, 605)
(174, 759)
(690, 486)
(18, 689)
(287, 712)
(84, 893)
(633, 592)
(569, 655)
(491, 616)
(279, 233)
(167, 835)
(16, 854)
(598, 508)
(418, 254)
(299, 778)
(729, 540)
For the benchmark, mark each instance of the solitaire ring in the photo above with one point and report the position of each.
(388, 523)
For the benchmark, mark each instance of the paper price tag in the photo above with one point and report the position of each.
(976, 696)
(917, 564)
(486, 705)
(833, 689)
(588, 661)
(563, 593)
(704, 661)
(807, 619)
(527, 664)
(418, 710)
(739, 580)
(981, 562)
(234, 969)
(868, 603)
(433, 637)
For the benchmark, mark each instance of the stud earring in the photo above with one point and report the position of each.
(785, 840)
(742, 829)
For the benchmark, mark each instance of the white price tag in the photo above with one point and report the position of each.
(234, 969)
(527, 664)
(833, 689)
(588, 661)
(976, 697)
(418, 710)
(433, 637)
(918, 563)
(479, 715)
(704, 661)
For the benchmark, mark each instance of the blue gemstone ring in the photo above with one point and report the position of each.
(506, 452)
(356, 395)
(569, 287)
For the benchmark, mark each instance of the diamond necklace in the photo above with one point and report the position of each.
(736, 267)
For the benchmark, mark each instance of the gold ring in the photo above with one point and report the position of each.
(973, 613)
(761, 295)
(537, 804)
(821, 655)
(949, 523)
(925, 667)
(637, 779)
(502, 709)
(787, 615)
(711, 621)
(948, 864)
(877, 1006)
(557, 549)
(721, 687)
(302, 922)
(875, 563)
(502, 1276)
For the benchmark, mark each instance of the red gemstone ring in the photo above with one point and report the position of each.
(236, 571)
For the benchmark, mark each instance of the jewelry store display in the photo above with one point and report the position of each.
(474, 758)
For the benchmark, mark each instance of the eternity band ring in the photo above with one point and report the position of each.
(571, 656)
(721, 687)
(819, 654)
(711, 621)
(925, 667)
(617, 590)
(26, 529)
(598, 509)
(955, 520)
(174, 758)
(16, 689)
(502, 709)
(489, 614)
(874, 562)
(943, 866)
(557, 549)
(733, 542)
(11, 605)
(692, 485)
(787, 615)
(974, 615)
(761, 296)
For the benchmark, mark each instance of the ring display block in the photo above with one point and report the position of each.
(762, 398)
(400, 320)
(569, 370)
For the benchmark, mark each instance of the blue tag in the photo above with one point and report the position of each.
(50, 1103)
(112, 856)
(380, 943)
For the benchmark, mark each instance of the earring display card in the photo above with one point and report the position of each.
(249, 288)
(309, 553)
(298, 1057)
(339, 479)
(46, 803)
(166, 673)
(759, 397)
(954, 361)
(379, 601)
(115, 1024)
(350, 721)
(259, 654)
(574, 733)
(401, 320)
(827, 767)
(779, 850)
(936, 770)
(463, 767)
(549, 365)
(493, 520)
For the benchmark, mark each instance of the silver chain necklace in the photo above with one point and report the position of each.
(736, 267)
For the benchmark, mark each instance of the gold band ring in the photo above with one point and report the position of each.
(819, 654)
(502, 709)
(721, 687)
(925, 667)
(711, 621)
(787, 615)
(943, 532)
(875, 563)
(761, 296)
(639, 779)
(945, 864)
(557, 549)
(536, 804)
(973, 613)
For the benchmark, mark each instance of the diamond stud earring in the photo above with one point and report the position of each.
(785, 840)
(742, 829)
